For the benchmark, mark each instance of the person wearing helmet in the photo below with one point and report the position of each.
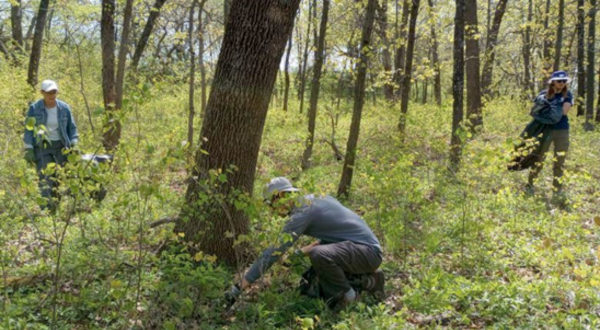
(345, 244)
(54, 131)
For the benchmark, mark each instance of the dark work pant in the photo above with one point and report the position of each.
(560, 139)
(44, 155)
(332, 261)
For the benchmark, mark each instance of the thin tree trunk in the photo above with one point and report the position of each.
(437, 78)
(547, 44)
(315, 88)
(192, 78)
(123, 51)
(488, 66)
(304, 75)
(559, 35)
(36, 47)
(473, 65)
(528, 82)
(255, 38)
(589, 110)
(388, 87)
(458, 79)
(141, 45)
(410, 49)
(16, 21)
(425, 83)
(598, 104)
(201, 57)
(286, 71)
(400, 58)
(359, 98)
(112, 129)
(581, 84)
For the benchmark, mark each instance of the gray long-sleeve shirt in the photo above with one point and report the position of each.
(321, 217)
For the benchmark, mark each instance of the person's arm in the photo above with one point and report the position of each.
(72, 129)
(568, 103)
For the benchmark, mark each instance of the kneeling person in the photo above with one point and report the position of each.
(346, 244)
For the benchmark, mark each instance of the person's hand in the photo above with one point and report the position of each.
(232, 295)
(29, 156)
(306, 250)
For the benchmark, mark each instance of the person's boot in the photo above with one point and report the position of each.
(344, 301)
(374, 283)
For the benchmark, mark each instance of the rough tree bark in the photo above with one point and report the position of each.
(359, 99)
(458, 81)
(488, 64)
(437, 77)
(472, 61)
(589, 109)
(400, 58)
(36, 47)
(559, 35)
(16, 21)
(316, 87)
(145, 36)
(112, 129)
(410, 49)
(253, 44)
(580, 58)
(386, 60)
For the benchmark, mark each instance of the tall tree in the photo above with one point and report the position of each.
(316, 87)
(226, 10)
(472, 60)
(303, 74)
(580, 58)
(16, 22)
(36, 47)
(359, 99)
(400, 56)
(145, 36)
(437, 77)
(112, 129)
(201, 51)
(123, 50)
(528, 81)
(192, 78)
(547, 44)
(458, 80)
(589, 109)
(286, 72)
(386, 56)
(490, 53)
(559, 34)
(410, 49)
(255, 36)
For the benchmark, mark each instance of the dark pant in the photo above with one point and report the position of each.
(44, 155)
(560, 138)
(332, 261)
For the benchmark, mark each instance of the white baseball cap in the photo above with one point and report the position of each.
(277, 185)
(49, 85)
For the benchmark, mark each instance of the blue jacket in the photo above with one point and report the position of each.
(66, 124)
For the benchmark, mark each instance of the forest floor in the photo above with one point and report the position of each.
(464, 249)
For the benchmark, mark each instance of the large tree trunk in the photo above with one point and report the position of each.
(458, 80)
(286, 72)
(400, 58)
(488, 66)
(580, 58)
(437, 77)
(141, 45)
(527, 81)
(304, 74)
(472, 60)
(36, 47)
(359, 99)
(386, 61)
(253, 44)
(123, 50)
(16, 21)
(410, 49)
(559, 34)
(192, 78)
(315, 88)
(112, 129)
(589, 109)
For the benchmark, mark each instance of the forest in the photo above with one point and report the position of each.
(198, 164)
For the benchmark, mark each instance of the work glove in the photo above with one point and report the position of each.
(232, 295)
(29, 156)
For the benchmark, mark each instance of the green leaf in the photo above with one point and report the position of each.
(169, 325)
(30, 123)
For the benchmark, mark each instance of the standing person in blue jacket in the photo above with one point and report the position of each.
(43, 147)
(345, 244)
(559, 95)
